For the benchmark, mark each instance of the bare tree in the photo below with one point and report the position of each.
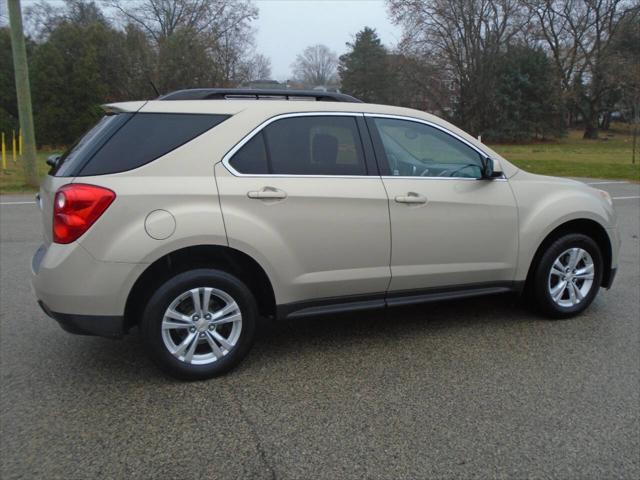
(461, 38)
(161, 18)
(258, 68)
(578, 34)
(316, 65)
(202, 42)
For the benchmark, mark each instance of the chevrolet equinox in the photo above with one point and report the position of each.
(192, 215)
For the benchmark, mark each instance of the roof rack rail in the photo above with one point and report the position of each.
(257, 94)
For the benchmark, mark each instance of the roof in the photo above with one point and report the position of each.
(258, 94)
(254, 112)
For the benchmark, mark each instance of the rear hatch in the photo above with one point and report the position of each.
(122, 140)
(71, 162)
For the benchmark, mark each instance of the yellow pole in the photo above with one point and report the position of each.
(4, 154)
(20, 142)
(14, 149)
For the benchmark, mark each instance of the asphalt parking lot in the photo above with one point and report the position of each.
(475, 389)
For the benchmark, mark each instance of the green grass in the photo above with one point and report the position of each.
(12, 179)
(609, 157)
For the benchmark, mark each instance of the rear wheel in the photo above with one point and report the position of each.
(568, 276)
(199, 324)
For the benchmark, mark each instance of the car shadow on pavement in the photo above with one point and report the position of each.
(284, 341)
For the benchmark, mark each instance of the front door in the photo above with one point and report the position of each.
(449, 228)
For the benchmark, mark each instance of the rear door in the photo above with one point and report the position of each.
(303, 196)
(449, 228)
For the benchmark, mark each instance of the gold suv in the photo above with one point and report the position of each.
(193, 214)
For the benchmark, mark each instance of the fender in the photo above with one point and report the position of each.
(539, 215)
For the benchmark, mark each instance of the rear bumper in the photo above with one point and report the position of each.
(83, 294)
(98, 325)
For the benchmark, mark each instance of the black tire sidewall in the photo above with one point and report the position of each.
(542, 296)
(151, 324)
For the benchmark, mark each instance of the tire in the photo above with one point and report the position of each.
(576, 294)
(178, 336)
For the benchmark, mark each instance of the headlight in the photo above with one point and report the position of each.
(606, 196)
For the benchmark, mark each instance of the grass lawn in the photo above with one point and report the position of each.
(609, 157)
(12, 179)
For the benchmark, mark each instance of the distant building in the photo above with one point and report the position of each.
(264, 84)
(326, 88)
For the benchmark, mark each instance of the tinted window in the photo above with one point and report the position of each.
(73, 159)
(145, 137)
(252, 157)
(322, 145)
(416, 149)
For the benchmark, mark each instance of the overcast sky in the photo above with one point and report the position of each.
(286, 27)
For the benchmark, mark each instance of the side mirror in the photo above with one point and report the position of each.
(490, 169)
(52, 160)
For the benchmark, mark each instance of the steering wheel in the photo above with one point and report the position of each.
(451, 172)
(425, 172)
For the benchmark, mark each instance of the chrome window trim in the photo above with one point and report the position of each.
(226, 159)
(259, 128)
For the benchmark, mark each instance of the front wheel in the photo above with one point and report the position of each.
(568, 276)
(199, 324)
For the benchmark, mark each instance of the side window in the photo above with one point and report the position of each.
(145, 137)
(252, 157)
(318, 145)
(419, 150)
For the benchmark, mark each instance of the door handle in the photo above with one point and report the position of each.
(267, 193)
(411, 198)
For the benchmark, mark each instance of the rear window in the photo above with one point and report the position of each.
(75, 157)
(126, 141)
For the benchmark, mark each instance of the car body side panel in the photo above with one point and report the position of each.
(545, 203)
(465, 233)
(329, 237)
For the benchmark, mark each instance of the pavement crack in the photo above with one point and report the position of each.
(256, 438)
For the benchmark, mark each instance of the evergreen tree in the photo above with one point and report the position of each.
(526, 100)
(77, 69)
(364, 70)
(8, 102)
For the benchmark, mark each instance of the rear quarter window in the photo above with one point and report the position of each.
(145, 137)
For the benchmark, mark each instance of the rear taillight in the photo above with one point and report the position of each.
(76, 207)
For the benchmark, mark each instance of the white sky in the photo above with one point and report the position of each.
(286, 27)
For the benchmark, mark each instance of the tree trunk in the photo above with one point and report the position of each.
(591, 131)
(590, 118)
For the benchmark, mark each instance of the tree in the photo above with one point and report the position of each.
(258, 68)
(8, 100)
(463, 38)
(579, 35)
(526, 101)
(161, 18)
(625, 59)
(216, 33)
(77, 68)
(364, 70)
(315, 66)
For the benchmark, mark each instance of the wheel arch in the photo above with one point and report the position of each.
(221, 257)
(585, 226)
